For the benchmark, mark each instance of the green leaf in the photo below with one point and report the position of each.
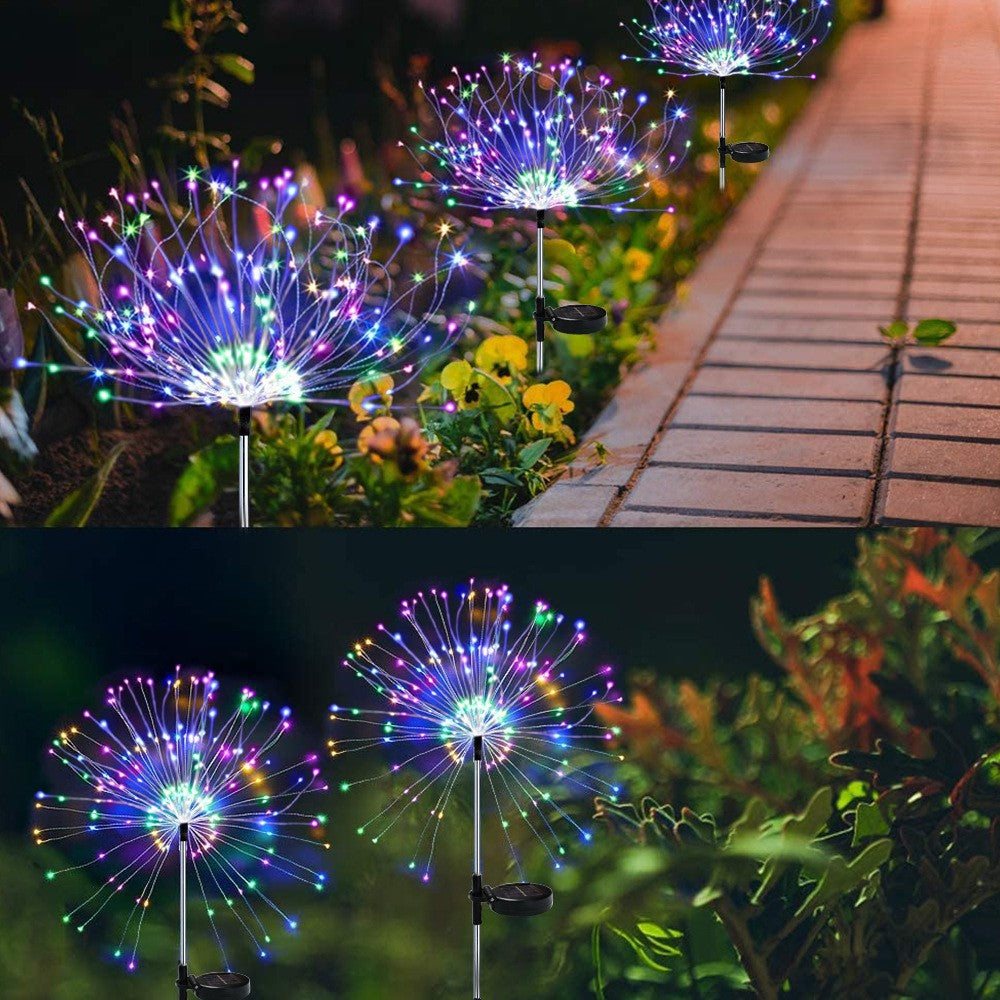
(754, 816)
(578, 345)
(461, 501)
(500, 477)
(658, 939)
(208, 473)
(454, 509)
(75, 510)
(178, 17)
(652, 930)
(841, 877)
(257, 150)
(852, 791)
(868, 822)
(639, 948)
(595, 950)
(236, 66)
(895, 331)
(931, 332)
(531, 453)
(321, 425)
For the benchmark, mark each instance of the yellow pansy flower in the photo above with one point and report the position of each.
(370, 395)
(503, 357)
(666, 227)
(548, 402)
(328, 439)
(638, 263)
(462, 381)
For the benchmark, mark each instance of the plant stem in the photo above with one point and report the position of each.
(595, 946)
(752, 962)
(689, 959)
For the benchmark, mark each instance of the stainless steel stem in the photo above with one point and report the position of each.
(184, 892)
(477, 866)
(540, 293)
(244, 481)
(722, 132)
(540, 284)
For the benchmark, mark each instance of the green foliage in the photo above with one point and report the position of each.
(860, 855)
(194, 84)
(75, 510)
(503, 430)
(209, 472)
(302, 476)
(928, 332)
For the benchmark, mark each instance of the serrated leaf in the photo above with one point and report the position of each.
(752, 820)
(841, 876)
(797, 830)
(891, 766)
(868, 822)
(931, 332)
(75, 510)
(810, 822)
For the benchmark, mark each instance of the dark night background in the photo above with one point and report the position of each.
(314, 58)
(282, 609)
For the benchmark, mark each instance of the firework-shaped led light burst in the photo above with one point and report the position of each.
(191, 310)
(535, 137)
(168, 774)
(463, 683)
(724, 38)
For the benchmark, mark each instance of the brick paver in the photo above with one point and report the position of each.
(770, 399)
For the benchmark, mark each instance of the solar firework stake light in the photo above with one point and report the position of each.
(213, 985)
(460, 681)
(538, 138)
(167, 768)
(253, 297)
(724, 38)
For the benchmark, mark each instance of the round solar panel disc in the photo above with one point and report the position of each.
(521, 899)
(579, 318)
(749, 152)
(222, 986)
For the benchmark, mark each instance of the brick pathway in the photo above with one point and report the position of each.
(770, 398)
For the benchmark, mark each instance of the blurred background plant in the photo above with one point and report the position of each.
(635, 263)
(832, 831)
